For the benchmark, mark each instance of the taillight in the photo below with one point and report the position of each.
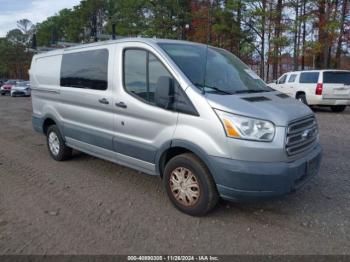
(319, 89)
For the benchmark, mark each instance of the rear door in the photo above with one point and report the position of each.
(336, 85)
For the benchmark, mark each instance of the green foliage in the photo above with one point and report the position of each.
(129, 16)
(15, 36)
(14, 60)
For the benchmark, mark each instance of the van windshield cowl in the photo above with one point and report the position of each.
(214, 70)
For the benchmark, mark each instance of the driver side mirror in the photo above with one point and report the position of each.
(165, 92)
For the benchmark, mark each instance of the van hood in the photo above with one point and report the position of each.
(273, 106)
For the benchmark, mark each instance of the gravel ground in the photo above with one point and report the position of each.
(90, 206)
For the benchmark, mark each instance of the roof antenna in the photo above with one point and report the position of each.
(113, 31)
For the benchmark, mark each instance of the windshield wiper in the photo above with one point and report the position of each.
(213, 88)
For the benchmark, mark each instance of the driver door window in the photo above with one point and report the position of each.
(142, 70)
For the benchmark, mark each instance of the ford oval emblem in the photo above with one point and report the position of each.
(306, 134)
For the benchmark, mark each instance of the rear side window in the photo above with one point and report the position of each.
(88, 69)
(292, 78)
(309, 77)
(336, 78)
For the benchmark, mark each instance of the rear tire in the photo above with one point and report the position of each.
(338, 109)
(302, 98)
(189, 185)
(56, 145)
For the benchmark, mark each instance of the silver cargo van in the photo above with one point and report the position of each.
(192, 114)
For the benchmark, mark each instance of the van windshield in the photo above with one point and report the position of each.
(214, 70)
(336, 78)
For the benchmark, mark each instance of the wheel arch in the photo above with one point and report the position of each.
(49, 120)
(178, 147)
(299, 92)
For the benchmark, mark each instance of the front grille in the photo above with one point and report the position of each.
(301, 135)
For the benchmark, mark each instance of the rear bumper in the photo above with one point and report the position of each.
(244, 180)
(335, 102)
(320, 100)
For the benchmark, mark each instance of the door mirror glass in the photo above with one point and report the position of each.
(164, 93)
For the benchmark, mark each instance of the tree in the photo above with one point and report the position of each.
(257, 16)
(15, 36)
(304, 20)
(322, 34)
(27, 28)
(93, 14)
(341, 33)
(277, 38)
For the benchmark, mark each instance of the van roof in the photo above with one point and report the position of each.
(108, 42)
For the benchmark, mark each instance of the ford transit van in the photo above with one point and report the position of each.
(193, 114)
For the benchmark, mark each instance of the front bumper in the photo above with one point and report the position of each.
(20, 92)
(5, 91)
(245, 180)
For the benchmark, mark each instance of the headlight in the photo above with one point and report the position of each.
(246, 128)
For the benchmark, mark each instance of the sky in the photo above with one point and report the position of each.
(35, 10)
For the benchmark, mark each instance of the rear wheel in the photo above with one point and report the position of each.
(338, 109)
(190, 185)
(56, 145)
(302, 98)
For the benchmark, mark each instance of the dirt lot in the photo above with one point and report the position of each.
(90, 206)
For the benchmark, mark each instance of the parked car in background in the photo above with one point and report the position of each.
(317, 87)
(21, 89)
(2, 81)
(7, 86)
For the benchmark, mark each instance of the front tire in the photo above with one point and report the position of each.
(56, 145)
(338, 109)
(189, 185)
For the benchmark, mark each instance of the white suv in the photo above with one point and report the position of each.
(317, 87)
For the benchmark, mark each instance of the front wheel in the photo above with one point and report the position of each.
(56, 145)
(190, 185)
(338, 109)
